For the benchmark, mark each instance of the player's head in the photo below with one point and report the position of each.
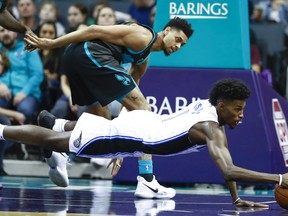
(229, 97)
(175, 34)
(180, 24)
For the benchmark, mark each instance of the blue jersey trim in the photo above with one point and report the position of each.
(90, 56)
(96, 62)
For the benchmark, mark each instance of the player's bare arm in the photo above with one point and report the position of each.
(134, 37)
(220, 154)
(218, 150)
(7, 21)
(232, 186)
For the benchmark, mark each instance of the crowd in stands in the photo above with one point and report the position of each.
(272, 66)
(30, 82)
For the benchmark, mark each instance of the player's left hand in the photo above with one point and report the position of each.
(117, 162)
(244, 203)
(34, 41)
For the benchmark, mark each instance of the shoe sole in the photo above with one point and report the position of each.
(57, 178)
(144, 196)
(154, 195)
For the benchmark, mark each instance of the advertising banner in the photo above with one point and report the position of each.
(281, 128)
(221, 37)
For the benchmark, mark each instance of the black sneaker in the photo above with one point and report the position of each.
(46, 119)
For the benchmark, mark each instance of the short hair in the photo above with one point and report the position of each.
(5, 62)
(229, 89)
(181, 24)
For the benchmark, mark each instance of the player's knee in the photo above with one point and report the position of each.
(143, 106)
(146, 106)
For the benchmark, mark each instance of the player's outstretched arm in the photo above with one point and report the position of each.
(134, 37)
(219, 152)
(7, 21)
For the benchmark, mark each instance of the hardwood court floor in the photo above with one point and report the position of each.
(39, 197)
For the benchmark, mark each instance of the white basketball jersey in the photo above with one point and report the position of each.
(137, 132)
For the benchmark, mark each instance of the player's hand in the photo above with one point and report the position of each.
(27, 46)
(248, 209)
(285, 181)
(116, 165)
(34, 41)
(244, 203)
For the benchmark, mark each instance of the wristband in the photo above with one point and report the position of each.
(236, 200)
(280, 180)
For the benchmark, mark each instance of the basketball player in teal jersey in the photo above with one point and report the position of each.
(92, 62)
(197, 126)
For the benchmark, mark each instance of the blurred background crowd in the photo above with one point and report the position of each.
(31, 82)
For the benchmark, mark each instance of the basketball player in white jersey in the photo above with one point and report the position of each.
(199, 125)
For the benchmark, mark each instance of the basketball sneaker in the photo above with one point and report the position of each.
(58, 161)
(58, 169)
(153, 207)
(46, 119)
(149, 190)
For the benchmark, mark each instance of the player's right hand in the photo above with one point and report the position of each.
(117, 162)
(245, 203)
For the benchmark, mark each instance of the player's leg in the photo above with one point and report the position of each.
(57, 161)
(47, 120)
(146, 179)
(48, 139)
(99, 110)
(38, 136)
(135, 100)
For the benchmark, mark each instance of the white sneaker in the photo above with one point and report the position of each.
(149, 190)
(151, 207)
(58, 169)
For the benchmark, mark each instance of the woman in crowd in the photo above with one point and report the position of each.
(51, 63)
(77, 14)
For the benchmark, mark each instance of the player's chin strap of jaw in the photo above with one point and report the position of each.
(280, 180)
